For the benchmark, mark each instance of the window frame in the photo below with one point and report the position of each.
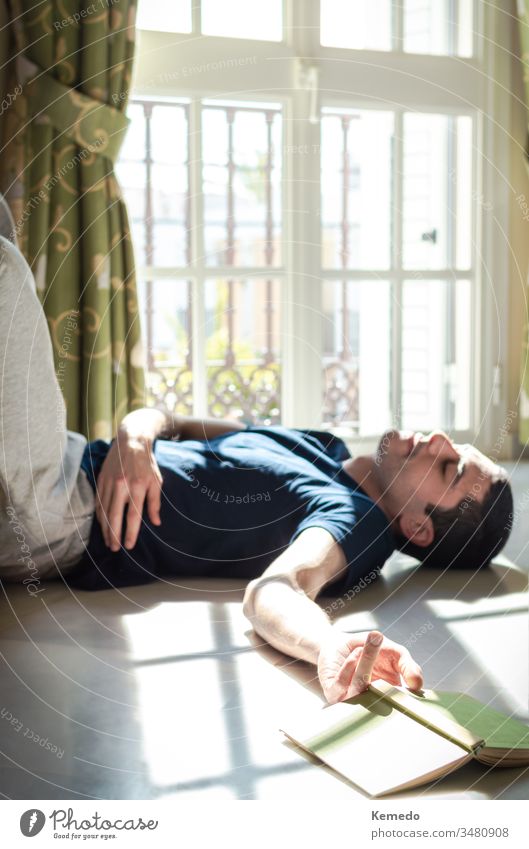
(187, 65)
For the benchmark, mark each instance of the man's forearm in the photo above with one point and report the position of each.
(289, 620)
(279, 604)
(149, 423)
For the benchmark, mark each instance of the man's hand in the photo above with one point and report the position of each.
(346, 664)
(129, 475)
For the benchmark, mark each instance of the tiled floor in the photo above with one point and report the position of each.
(162, 691)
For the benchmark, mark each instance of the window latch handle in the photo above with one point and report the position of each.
(306, 77)
(430, 236)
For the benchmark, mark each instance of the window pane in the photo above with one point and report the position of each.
(133, 146)
(425, 191)
(165, 310)
(462, 181)
(132, 181)
(169, 230)
(153, 172)
(432, 26)
(356, 188)
(436, 354)
(130, 171)
(169, 133)
(242, 349)
(138, 240)
(362, 24)
(437, 191)
(357, 354)
(243, 19)
(242, 185)
(429, 26)
(173, 16)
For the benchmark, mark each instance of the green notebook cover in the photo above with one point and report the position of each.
(434, 707)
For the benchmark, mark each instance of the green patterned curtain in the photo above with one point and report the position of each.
(62, 132)
(523, 6)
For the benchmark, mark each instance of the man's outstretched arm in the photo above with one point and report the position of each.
(280, 605)
(150, 423)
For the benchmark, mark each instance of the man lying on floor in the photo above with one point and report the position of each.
(174, 496)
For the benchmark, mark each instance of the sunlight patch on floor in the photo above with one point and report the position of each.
(181, 713)
(169, 629)
(504, 660)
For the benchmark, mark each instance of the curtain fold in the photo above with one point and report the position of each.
(523, 6)
(72, 63)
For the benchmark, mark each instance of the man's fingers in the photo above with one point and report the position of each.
(355, 672)
(410, 671)
(154, 503)
(104, 497)
(115, 514)
(345, 674)
(366, 662)
(106, 507)
(134, 514)
(99, 513)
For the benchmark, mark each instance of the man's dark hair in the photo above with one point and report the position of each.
(469, 535)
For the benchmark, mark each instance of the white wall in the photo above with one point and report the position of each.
(519, 228)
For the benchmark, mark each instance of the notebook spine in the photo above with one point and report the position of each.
(445, 728)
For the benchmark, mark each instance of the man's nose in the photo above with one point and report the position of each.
(439, 442)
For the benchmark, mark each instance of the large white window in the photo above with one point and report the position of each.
(308, 188)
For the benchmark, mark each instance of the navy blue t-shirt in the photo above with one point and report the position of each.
(232, 504)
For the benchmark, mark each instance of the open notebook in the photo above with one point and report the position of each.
(389, 738)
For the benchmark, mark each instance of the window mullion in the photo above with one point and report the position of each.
(397, 10)
(302, 377)
(396, 263)
(196, 222)
(147, 111)
(196, 16)
(302, 332)
(452, 21)
(302, 27)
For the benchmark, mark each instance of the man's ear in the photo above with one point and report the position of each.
(418, 529)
